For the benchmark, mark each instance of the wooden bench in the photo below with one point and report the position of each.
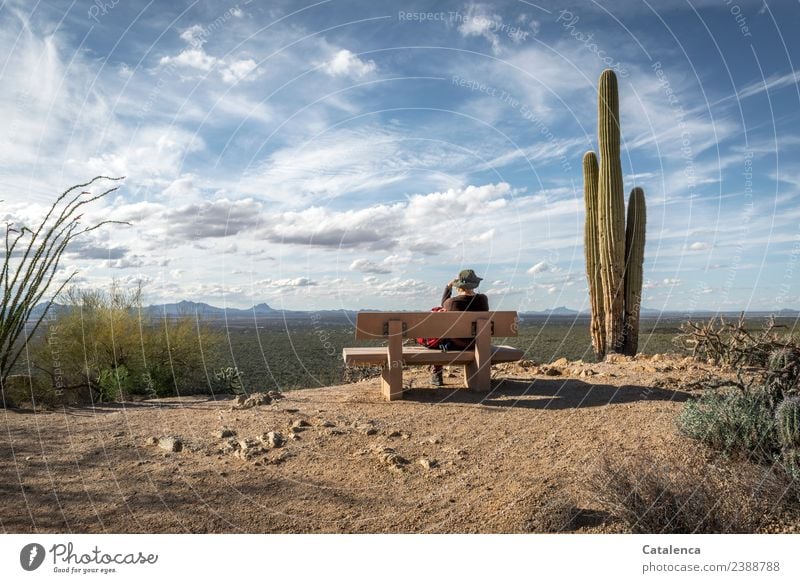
(397, 326)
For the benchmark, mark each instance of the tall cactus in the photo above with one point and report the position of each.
(634, 260)
(592, 252)
(614, 252)
(611, 207)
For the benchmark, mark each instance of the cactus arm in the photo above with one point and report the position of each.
(634, 262)
(592, 254)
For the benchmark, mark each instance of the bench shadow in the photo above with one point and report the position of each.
(545, 394)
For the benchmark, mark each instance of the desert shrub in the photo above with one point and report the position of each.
(733, 421)
(787, 421)
(228, 380)
(104, 343)
(660, 496)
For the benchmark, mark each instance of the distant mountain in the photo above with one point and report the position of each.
(262, 310)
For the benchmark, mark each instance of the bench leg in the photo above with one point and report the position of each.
(479, 373)
(392, 373)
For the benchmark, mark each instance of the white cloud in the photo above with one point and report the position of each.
(367, 266)
(698, 246)
(540, 267)
(346, 64)
(195, 57)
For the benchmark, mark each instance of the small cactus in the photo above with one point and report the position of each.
(787, 420)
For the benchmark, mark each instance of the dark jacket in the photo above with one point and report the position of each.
(463, 303)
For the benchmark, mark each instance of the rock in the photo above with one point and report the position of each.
(394, 459)
(657, 357)
(151, 441)
(291, 410)
(275, 395)
(560, 362)
(224, 433)
(253, 400)
(552, 372)
(334, 431)
(526, 364)
(615, 358)
(248, 448)
(300, 424)
(433, 440)
(393, 433)
(426, 463)
(273, 439)
(294, 437)
(326, 423)
(370, 431)
(170, 444)
(119, 434)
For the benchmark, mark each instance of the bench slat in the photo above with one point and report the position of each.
(372, 325)
(420, 355)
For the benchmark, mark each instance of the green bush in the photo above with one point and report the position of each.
(733, 421)
(787, 421)
(105, 344)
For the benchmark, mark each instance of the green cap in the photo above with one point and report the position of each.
(467, 279)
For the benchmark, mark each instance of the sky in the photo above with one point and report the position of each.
(358, 154)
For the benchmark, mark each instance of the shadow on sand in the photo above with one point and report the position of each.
(545, 394)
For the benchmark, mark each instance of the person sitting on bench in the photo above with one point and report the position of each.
(466, 301)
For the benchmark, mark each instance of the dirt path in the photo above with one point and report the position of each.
(476, 462)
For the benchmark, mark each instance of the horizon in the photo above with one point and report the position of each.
(319, 156)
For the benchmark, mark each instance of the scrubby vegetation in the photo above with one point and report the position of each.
(101, 346)
(758, 415)
(652, 495)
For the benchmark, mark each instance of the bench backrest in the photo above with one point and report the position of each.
(375, 325)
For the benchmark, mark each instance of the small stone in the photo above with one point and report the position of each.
(275, 395)
(394, 433)
(172, 444)
(119, 434)
(151, 441)
(291, 410)
(427, 463)
(552, 372)
(294, 437)
(326, 423)
(335, 431)
(560, 362)
(225, 433)
(370, 431)
(300, 424)
(28, 458)
(273, 439)
(433, 440)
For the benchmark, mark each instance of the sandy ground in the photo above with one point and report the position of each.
(475, 462)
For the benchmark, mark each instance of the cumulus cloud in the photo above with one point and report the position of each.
(698, 246)
(367, 266)
(195, 57)
(540, 267)
(346, 64)
(212, 219)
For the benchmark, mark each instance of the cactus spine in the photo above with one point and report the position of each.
(634, 260)
(592, 252)
(611, 207)
(614, 252)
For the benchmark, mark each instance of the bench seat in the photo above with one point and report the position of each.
(412, 355)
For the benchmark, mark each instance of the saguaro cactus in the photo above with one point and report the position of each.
(591, 249)
(611, 207)
(614, 253)
(634, 260)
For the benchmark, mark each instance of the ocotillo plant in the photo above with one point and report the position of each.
(597, 327)
(27, 273)
(619, 258)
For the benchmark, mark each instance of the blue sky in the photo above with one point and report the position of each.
(359, 154)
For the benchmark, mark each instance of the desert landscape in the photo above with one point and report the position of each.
(536, 454)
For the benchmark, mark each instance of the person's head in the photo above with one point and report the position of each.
(467, 282)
